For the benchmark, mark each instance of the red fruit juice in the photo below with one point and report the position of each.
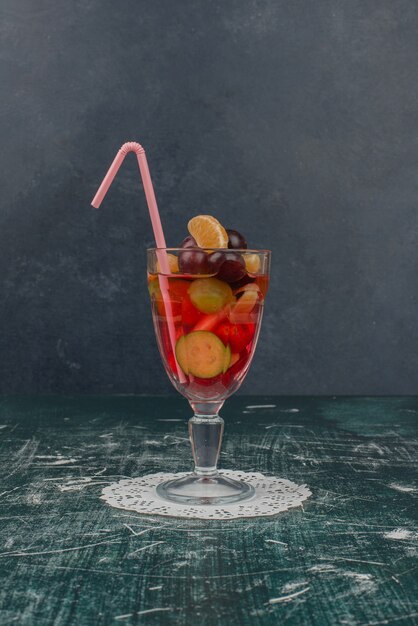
(217, 326)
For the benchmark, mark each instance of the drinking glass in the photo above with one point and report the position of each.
(207, 315)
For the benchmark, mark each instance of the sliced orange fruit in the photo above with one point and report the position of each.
(252, 263)
(239, 312)
(172, 263)
(208, 232)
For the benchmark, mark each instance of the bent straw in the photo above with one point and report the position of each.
(132, 146)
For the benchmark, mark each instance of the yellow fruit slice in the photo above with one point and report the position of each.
(239, 313)
(208, 232)
(234, 359)
(172, 263)
(252, 263)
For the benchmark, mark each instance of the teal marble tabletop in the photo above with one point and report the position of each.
(349, 556)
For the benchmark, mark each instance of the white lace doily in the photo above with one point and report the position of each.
(272, 496)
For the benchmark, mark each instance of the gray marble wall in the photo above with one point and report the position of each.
(293, 121)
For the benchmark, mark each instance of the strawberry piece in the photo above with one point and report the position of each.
(209, 322)
(238, 336)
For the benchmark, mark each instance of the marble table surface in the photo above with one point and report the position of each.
(349, 556)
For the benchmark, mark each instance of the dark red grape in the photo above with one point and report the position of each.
(193, 261)
(189, 242)
(235, 240)
(215, 260)
(244, 281)
(232, 268)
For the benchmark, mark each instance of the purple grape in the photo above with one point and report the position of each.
(193, 261)
(215, 260)
(244, 281)
(235, 240)
(189, 242)
(232, 268)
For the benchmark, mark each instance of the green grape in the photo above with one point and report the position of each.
(210, 295)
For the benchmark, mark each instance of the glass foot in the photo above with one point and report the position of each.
(199, 490)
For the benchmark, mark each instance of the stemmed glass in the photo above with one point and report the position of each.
(207, 314)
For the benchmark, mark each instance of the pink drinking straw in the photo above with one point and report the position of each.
(132, 146)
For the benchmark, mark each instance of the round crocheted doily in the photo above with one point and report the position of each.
(272, 496)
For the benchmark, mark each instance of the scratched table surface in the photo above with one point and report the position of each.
(349, 556)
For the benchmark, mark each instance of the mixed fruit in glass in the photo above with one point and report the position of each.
(214, 298)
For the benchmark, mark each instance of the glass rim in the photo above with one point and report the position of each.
(242, 250)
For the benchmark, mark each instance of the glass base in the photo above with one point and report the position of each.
(200, 490)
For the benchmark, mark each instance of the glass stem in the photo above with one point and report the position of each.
(205, 431)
